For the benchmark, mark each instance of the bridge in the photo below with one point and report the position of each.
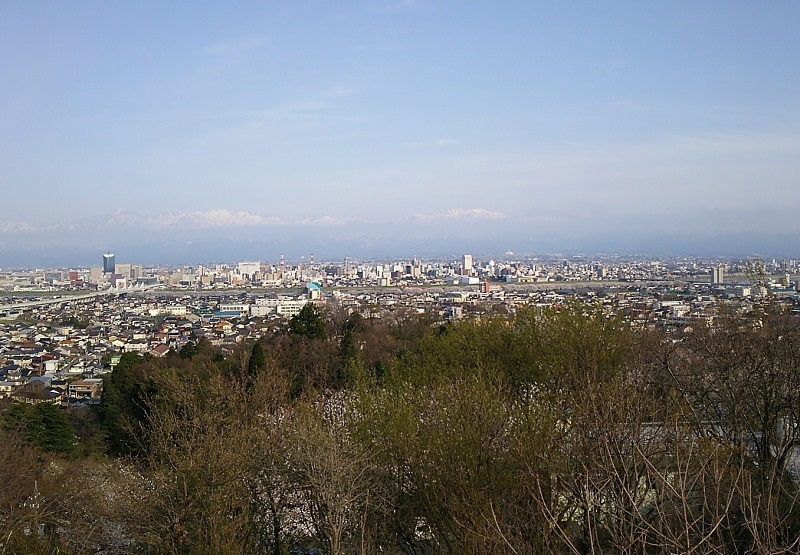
(14, 310)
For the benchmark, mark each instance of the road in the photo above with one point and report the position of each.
(18, 308)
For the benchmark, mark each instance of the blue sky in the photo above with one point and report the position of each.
(318, 124)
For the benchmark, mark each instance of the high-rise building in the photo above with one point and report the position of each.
(249, 271)
(123, 269)
(95, 275)
(717, 275)
(466, 265)
(108, 263)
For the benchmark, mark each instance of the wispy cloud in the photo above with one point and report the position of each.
(392, 6)
(198, 219)
(210, 218)
(323, 221)
(613, 67)
(234, 49)
(17, 227)
(20, 228)
(437, 143)
(202, 219)
(455, 214)
(244, 128)
(289, 110)
(222, 218)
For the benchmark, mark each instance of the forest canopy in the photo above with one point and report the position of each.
(555, 430)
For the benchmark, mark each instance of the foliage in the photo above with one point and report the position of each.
(558, 430)
(200, 451)
(43, 424)
(75, 322)
(122, 410)
(188, 350)
(257, 362)
(309, 323)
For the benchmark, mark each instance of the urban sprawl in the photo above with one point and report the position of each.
(62, 329)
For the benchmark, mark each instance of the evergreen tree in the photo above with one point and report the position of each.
(309, 323)
(122, 404)
(44, 425)
(257, 362)
(188, 350)
(54, 432)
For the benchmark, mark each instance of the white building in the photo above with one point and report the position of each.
(242, 309)
(173, 310)
(257, 310)
(466, 264)
(249, 270)
(291, 308)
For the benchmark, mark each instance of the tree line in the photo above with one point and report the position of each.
(552, 430)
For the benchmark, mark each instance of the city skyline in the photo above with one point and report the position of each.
(397, 128)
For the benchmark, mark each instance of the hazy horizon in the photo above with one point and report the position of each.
(268, 250)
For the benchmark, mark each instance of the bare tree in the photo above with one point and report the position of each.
(335, 474)
(200, 465)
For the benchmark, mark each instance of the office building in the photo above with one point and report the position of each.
(108, 263)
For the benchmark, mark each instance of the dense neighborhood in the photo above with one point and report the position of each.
(59, 348)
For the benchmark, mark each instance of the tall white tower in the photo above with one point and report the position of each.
(466, 264)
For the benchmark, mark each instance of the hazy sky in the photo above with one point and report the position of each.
(530, 124)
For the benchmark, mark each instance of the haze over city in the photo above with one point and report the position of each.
(194, 131)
